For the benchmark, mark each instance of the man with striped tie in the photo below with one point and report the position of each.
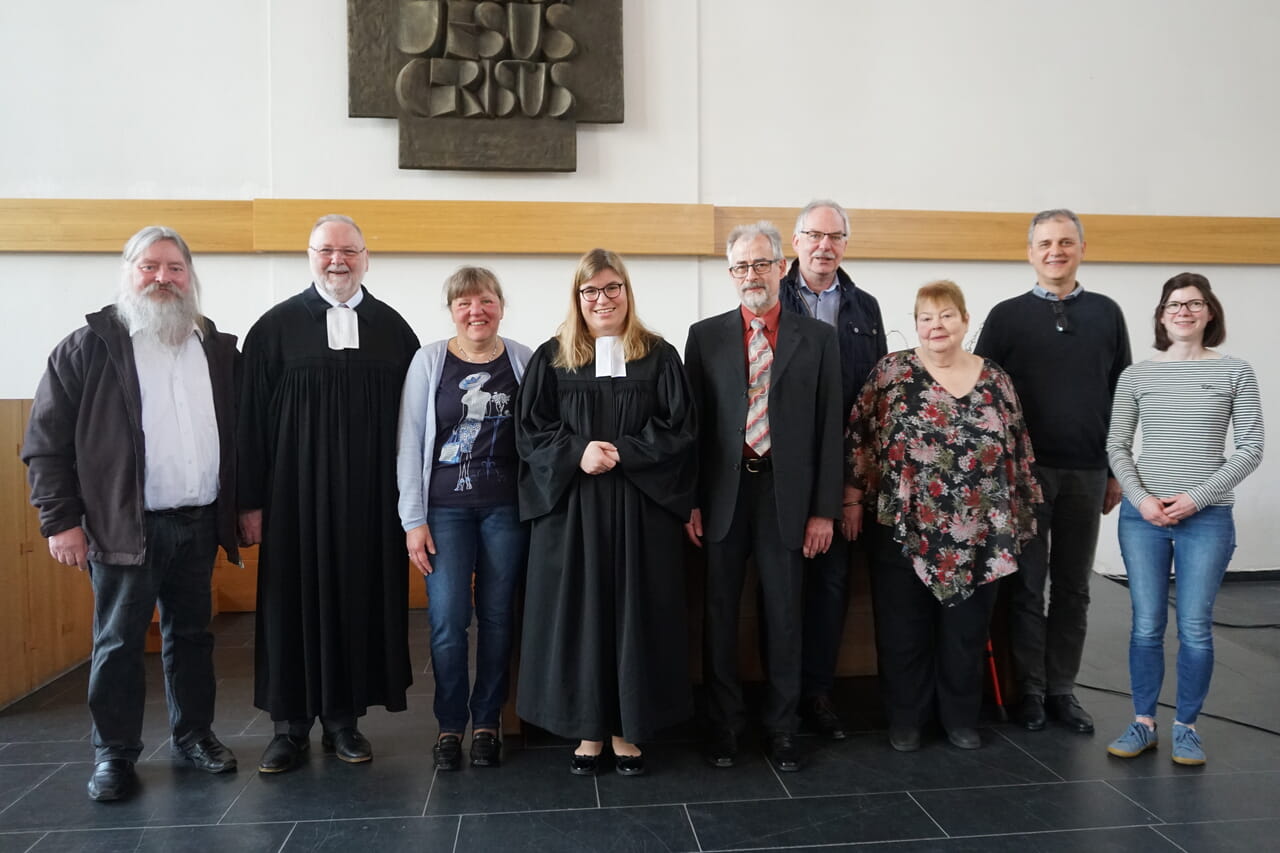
(767, 388)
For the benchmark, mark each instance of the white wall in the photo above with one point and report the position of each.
(1147, 106)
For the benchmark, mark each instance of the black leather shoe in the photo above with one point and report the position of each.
(629, 765)
(1066, 710)
(584, 765)
(821, 716)
(285, 752)
(486, 750)
(349, 745)
(722, 751)
(904, 738)
(782, 752)
(208, 753)
(963, 737)
(113, 779)
(447, 753)
(1031, 712)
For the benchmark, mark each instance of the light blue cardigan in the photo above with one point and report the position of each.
(417, 438)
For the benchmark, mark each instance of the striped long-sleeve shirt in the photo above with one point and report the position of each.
(1184, 408)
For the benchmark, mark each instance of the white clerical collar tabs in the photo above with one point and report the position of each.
(610, 358)
(343, 327)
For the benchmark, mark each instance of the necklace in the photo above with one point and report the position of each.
(497, 343)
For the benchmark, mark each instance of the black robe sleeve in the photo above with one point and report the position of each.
(549, 451)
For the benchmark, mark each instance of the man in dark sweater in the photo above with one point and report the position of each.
(1065, 349)
(817, 287)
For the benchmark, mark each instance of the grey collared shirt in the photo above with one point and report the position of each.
(1053, 297)
(823, 305)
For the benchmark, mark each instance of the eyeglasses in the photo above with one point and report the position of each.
(1060, 318)
(1195, 306)
(591, 294)
(816, 236)
(761, 266)
(330, 250)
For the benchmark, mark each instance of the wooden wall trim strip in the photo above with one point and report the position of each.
(569, 228)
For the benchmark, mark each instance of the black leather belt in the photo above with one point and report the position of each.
(181, 511)
(757, 464)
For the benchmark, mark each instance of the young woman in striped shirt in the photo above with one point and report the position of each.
(1178, 499)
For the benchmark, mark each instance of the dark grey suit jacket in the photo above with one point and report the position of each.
(805, 420)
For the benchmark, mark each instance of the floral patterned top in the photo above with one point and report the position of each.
(951, 477)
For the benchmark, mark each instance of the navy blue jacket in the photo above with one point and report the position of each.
(859, 329)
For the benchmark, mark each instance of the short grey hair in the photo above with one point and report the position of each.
(817, 204)
(1049, 216)
(752, 231)
(145, 239)
(469, 280)
(338, 217)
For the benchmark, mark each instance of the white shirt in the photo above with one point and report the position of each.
(179, 424)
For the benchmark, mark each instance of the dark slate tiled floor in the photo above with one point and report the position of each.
(1051, 791)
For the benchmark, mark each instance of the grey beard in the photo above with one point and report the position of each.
(168, 321)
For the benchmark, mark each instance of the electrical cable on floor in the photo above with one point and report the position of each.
(1220, 717)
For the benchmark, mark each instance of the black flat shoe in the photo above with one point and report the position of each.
(349, 745)
(284, 753)
(584, 765)
(722, 751)
(208, 753)
(963, 737)
(821, 716)
(486, 750)
(904, 738)
(1031, 712)
(1067, 711)
(782, 751)
(629, 765)
(447, 753)
(113, 779)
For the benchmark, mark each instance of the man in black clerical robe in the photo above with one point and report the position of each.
(317, 443)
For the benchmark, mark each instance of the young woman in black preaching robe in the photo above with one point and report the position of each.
(605, 431)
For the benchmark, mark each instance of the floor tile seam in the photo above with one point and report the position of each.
(435, 774)
(1034, 758)
(249, 780)
(284, 845)
(693, 829)
(31, 788)
(1157, 818)
(1168, 839)
(927, 814)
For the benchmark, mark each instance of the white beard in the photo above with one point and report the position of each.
(168, 321)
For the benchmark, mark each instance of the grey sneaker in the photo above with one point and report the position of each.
(1186, 746)
(1136, 740)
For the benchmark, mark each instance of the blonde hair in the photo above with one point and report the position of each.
(577, 344)
(941, 292)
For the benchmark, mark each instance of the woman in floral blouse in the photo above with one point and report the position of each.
(940, 463)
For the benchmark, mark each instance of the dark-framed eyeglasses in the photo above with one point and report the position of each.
(1195, 306)
(591, 294)
(760, 265)
(815, 237)
(1060, 321)
(331, 250)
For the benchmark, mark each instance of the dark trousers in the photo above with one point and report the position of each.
(754, 531)
(1048, 642)
(928, 652)
(826, 599)
(181, 546)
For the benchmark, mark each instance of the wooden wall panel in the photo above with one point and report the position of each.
(103, 225)
(482, 227)
(569, 228)
(14, 619)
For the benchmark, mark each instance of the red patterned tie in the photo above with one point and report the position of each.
(759, 364)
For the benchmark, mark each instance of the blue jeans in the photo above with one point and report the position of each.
(181, 547)
(491, 543)
(1200, 547)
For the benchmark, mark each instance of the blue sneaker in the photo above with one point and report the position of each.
(1186, 746)
(1136, 740)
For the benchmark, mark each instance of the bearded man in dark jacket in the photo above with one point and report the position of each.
(130, 451)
